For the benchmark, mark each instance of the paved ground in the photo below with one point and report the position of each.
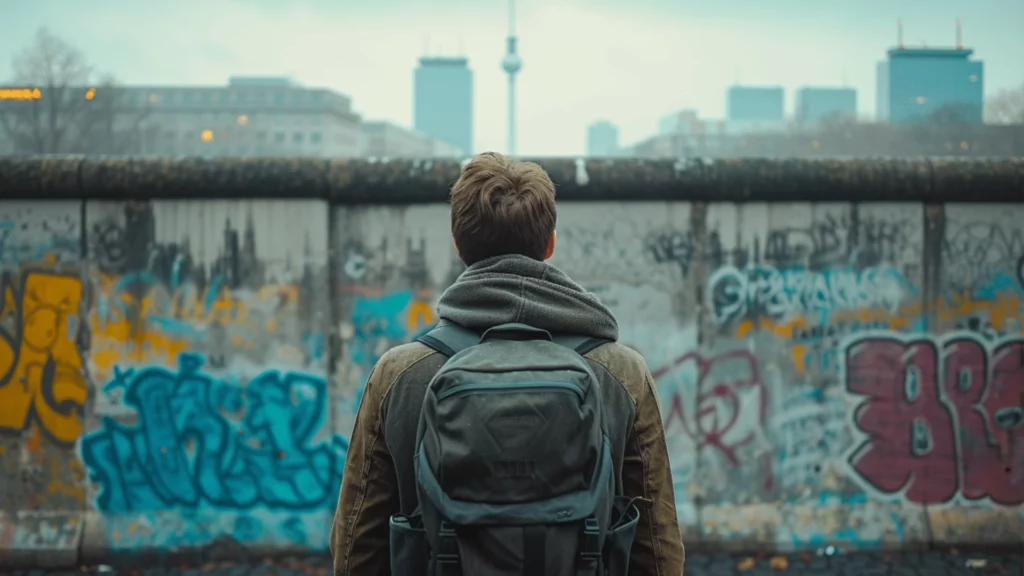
(805, 564)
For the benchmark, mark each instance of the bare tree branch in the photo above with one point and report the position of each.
(1006, 107)
(78, 111)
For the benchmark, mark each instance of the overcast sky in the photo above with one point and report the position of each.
(627, 61)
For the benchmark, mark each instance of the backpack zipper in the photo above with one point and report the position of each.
(498, 389)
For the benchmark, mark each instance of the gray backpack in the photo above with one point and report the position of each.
(513, 464)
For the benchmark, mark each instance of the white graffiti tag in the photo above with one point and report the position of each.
(734, 293)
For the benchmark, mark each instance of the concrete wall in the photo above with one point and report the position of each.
(184, 374)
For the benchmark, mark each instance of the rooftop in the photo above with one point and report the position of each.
(922, 52)
(449, 61)
(262, 81)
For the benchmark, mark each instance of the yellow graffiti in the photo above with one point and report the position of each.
(999, 312)
(125, 331)
(421, 315)
(41, 371)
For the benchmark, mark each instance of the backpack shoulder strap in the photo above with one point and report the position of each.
(581, 344)
(449, 339)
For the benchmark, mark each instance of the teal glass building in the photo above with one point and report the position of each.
(443, 101)
(814, 104)
(919, 84)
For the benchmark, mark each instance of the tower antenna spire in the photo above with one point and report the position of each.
(511, 64)
(899, 32)
(959, 35)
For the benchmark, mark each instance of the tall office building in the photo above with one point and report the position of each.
(816, 104)
(443, 107)
(602, 139)
(916, 84)
(756, 103)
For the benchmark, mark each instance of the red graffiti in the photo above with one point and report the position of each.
(942, 417)
(728, 387)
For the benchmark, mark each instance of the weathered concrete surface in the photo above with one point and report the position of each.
(410, 181)
(175, 374)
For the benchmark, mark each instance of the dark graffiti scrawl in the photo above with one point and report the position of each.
(838, 241)
(976, 254)
(828, 242)
(942, 417)
(202, 442)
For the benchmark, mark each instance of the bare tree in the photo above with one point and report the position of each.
(1006, 107)
(67, 107)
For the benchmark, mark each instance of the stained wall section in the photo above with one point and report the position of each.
(179, 374)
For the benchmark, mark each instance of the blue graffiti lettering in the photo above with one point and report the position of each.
(202, 442)
(379, 323)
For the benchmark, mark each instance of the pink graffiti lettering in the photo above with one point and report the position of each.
(942, 418)
(731, 404)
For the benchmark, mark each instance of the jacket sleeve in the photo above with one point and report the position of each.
(658, 548)
(369, 492)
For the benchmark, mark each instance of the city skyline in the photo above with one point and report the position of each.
(331, 46)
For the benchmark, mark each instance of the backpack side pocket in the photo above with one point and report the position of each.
(621, 534)
(410, 551)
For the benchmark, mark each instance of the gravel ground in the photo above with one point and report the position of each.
(802, 564)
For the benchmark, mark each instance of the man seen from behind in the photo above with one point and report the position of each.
(517, 437)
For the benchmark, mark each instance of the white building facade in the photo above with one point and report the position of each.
(250, 117)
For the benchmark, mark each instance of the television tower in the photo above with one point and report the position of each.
(511, 64)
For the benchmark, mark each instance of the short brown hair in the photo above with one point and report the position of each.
(502, 207)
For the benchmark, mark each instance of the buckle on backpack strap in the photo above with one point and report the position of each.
(448, 552)
(590, 547)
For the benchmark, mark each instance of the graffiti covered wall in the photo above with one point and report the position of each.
(844, 374)
(174, 374)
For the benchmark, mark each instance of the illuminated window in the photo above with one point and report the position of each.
(816, 144)
(920, 99)
(243, 120)
(90, 93)
(965, 146)
(20, 94)
(974, 77)
(207, 135)
(154, 98)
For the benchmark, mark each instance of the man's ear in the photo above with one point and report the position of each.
(551, 246)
